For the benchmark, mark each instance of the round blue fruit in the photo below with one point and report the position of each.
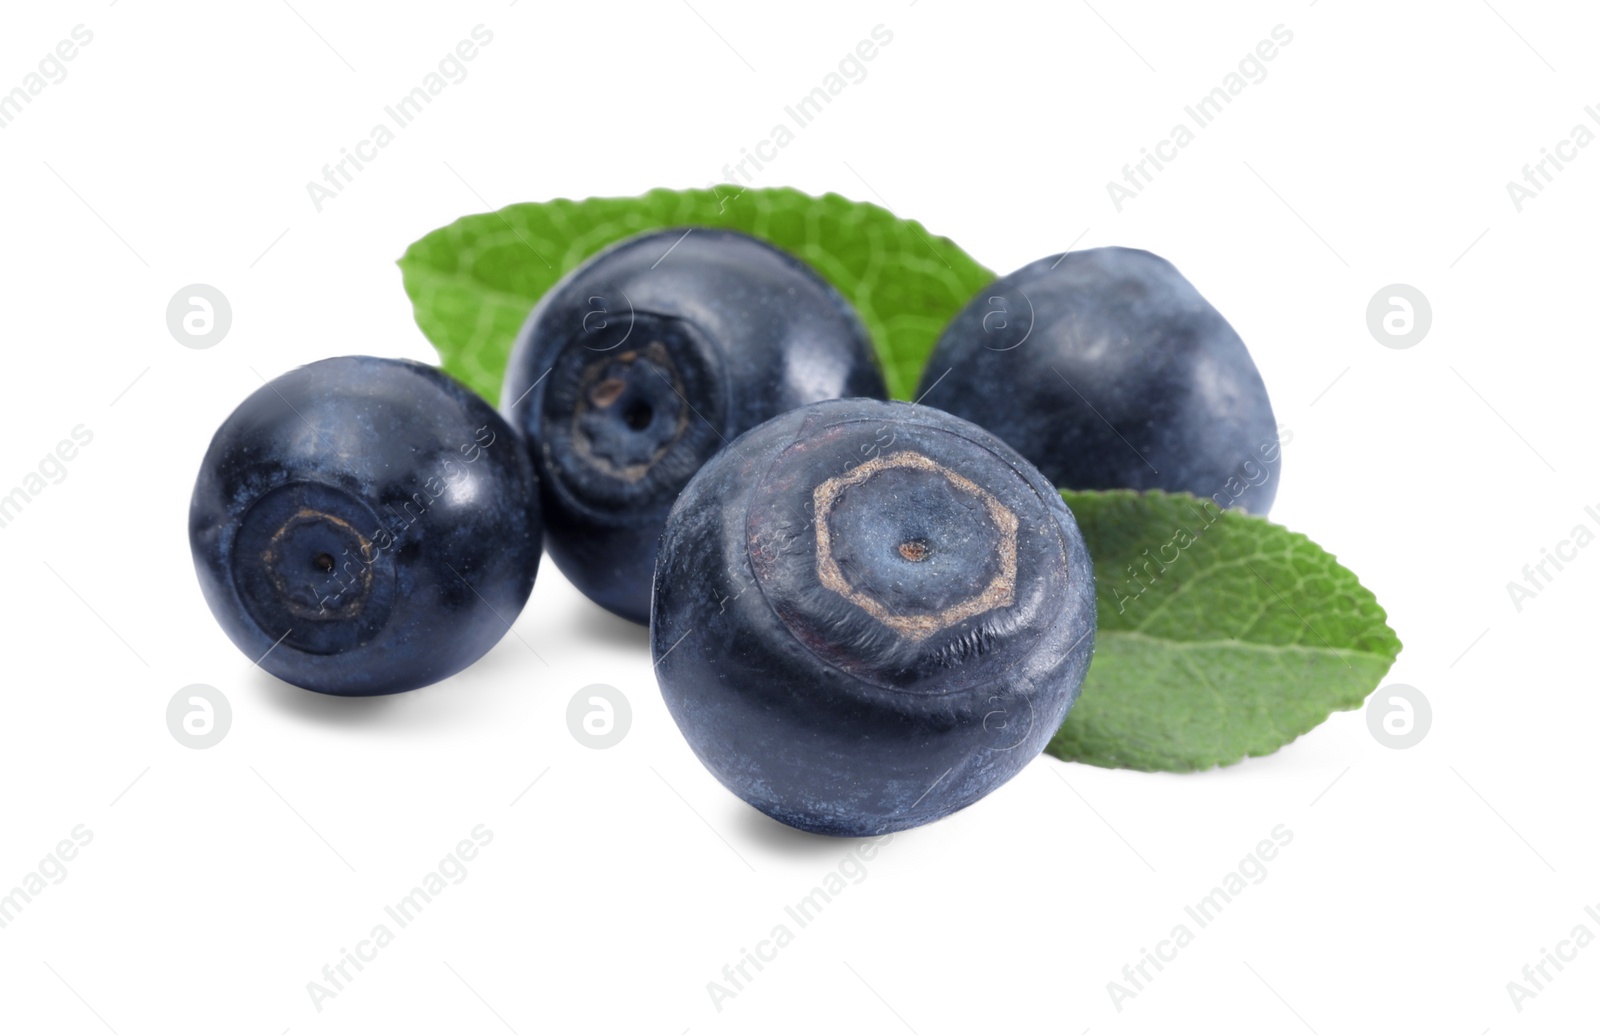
(869, 615)
(365, 526)
(646, 360)
(1108, 370)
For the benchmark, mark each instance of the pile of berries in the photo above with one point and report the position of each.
(864, 614)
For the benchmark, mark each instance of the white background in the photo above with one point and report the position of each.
(219, 882)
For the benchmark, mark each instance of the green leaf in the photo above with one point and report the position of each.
(1220, 635)
(473, 282)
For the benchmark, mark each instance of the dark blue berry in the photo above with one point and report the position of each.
(365, 526)
(645, 361)
(1108, 370)
(869, 615)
